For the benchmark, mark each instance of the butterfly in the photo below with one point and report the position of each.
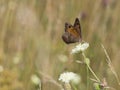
(72, 33)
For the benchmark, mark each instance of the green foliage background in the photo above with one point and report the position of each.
(30, 41)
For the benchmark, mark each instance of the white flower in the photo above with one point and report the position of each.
(35, 79)
(66, 77)
(80, 47)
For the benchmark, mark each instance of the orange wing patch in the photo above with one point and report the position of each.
(73, 32)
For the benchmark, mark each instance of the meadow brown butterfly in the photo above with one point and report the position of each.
(72, 33)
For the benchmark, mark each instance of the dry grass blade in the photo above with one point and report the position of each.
(110, 65)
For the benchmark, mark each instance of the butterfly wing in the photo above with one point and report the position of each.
(72, 33)
(68, 38)
(77, 27)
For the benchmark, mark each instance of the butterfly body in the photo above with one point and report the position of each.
(72, 32)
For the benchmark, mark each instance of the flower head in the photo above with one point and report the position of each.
(80, 47)
(66, 77)
(35, 79)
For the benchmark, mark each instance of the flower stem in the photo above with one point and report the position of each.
(90, 68)
(67, 86)
(87, 78)
(93, 73)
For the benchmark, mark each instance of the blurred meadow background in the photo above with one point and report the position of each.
(31, 44)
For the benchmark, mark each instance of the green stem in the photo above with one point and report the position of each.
(67, 86)
(74, 88)
(93, 73)
(90, 68)
(87, 78)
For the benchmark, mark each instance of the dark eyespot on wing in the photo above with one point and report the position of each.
(67, 26)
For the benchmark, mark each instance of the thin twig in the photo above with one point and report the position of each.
(110, 65)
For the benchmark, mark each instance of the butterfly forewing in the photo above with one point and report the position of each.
(78, 27)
